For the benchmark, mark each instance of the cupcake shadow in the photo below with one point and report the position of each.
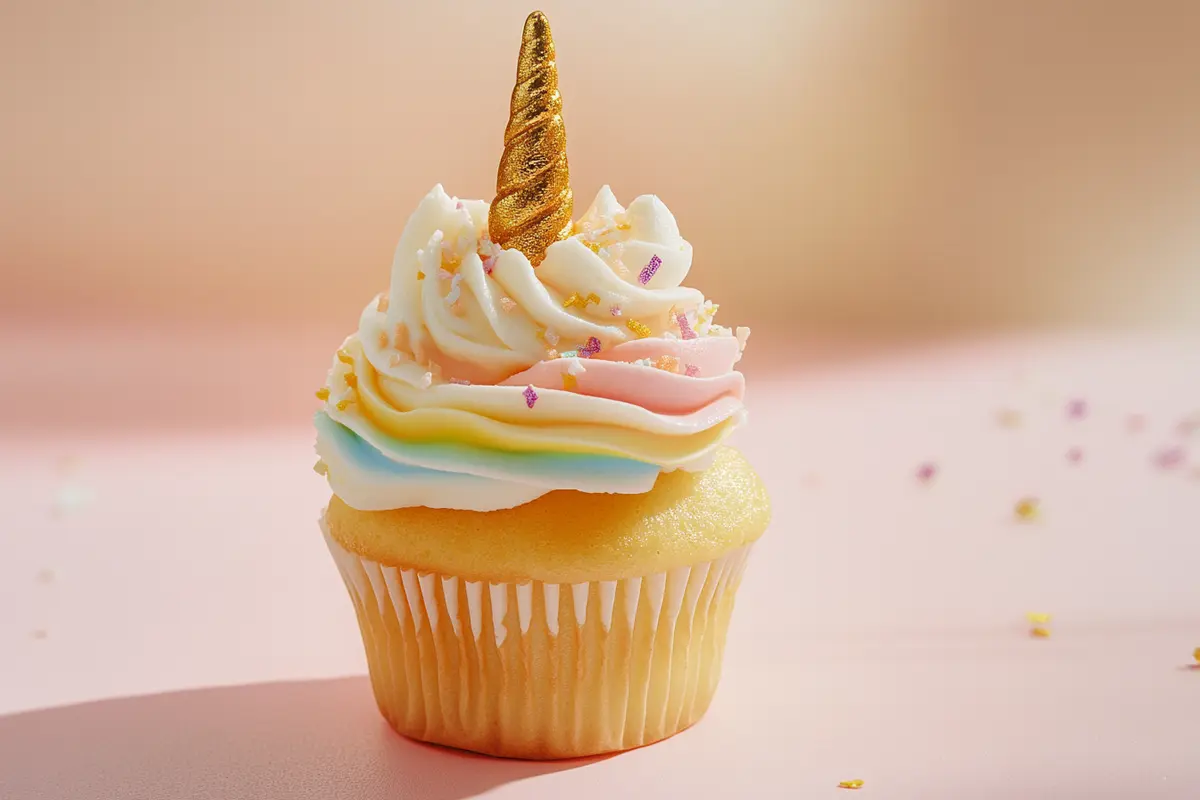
(309, 740)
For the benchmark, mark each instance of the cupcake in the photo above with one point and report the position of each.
(533, 511)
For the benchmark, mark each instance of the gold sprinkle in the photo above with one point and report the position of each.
(551, 353)
(641, 329)
(1196, 655)
(420, 275)
(570, 382)
(668, 363)
(622, 226)
(593, 246)
(854, 784)
(592, 298)
(383, 303)
(1008, 418)
(323, 394)
(351, 379)
(1037, 618)
(320, 468)
(345, 357)
(507, 303)
(1040, 632)
(343, 404)
(1027, 509)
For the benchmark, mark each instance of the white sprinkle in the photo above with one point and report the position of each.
(575, 367)
(427, 380)
(551, 337)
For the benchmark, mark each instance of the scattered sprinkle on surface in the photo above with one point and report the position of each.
(1075, 455)
(1027, 509)
(926, 472)
(531, 396)
(1196, 655)
(1170, 458)
(854, 784)
(1008, 418)
(1077, 409)
(691, 371)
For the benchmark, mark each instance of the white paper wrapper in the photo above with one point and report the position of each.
(542, 670)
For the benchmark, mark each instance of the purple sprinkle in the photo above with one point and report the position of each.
(648, 271)
(530, 396)
(591, 348)
(691, 371)
(1170, 458)
(685, 330)
(1077, 409)
(926, 472)
(1075, 455)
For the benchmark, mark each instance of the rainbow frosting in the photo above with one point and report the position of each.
(480, 382)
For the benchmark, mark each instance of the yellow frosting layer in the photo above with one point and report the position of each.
(567, 536)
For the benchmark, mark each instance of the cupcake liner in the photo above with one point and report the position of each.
(542, 670)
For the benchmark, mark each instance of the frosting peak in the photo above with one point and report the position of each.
(478, 382)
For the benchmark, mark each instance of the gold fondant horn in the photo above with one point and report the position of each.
(533, 203)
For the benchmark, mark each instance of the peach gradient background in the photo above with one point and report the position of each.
(918, 164)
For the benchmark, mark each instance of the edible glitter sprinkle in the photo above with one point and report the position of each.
(351, 379)
(574, 300)
(648, 271)
(345, 357)
(667, 363)
(420, 275)
(1027, 509)
(644, 362)
(1037, 618)
(591, 348)
(1170, 458)
(507, 303)
(1077, 409)
(570, 382)
(592, 298)
(426, 380)
(685, 330)
(615, 311)
(531, 396)
(1075, 455)
(460, 382)
(551, 354)
(1196, 655)
(342, 404)
(639, 328)
(926, 472)
(691, 370)
(854, 784)
(320, 468)
(383, 303)
(323, 394)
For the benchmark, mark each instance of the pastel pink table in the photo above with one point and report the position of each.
(172, 627)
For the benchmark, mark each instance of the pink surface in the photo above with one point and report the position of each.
(880, 633)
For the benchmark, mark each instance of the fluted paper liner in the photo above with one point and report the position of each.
(542, 670)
